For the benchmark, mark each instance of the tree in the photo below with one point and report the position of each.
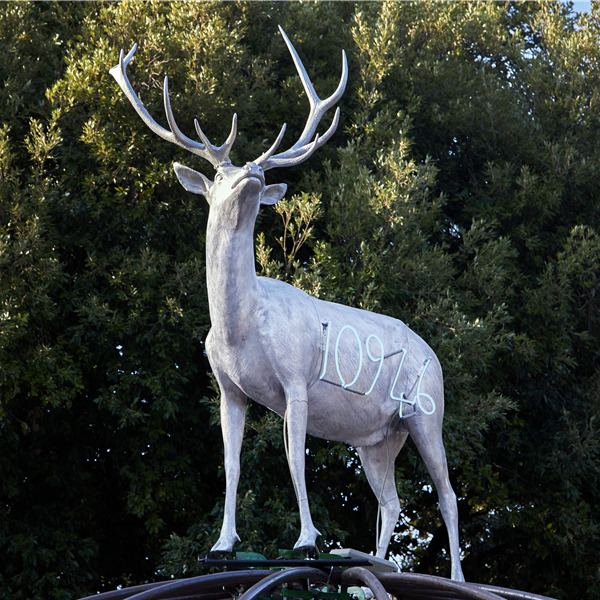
(460, 195)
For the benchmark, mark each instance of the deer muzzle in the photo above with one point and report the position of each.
(250, 171)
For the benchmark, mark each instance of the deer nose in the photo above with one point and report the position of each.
(253, 167)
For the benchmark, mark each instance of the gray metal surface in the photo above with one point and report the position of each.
(272, 342)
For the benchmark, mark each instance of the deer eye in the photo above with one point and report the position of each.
(219, 177)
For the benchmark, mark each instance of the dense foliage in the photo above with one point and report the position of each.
(461, 194)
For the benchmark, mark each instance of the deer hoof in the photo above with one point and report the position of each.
(225, 543)
(307, 540)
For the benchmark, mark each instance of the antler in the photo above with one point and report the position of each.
(304, 147)
(215, 155)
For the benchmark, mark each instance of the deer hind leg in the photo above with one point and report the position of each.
(233, 416)
(426, 431)
(378, 462)
(295, 423)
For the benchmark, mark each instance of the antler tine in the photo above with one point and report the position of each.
(214, 155)
(274, 147)
(303, 148)
(220, 153)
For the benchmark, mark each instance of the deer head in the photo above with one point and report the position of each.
(236, 186)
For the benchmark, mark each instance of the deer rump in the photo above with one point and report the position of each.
(293, 339)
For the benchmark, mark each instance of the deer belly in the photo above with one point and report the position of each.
(344, 416)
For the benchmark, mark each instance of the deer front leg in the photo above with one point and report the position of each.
(233, 416)
(296, 418)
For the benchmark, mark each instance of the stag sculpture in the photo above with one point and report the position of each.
(332, 371)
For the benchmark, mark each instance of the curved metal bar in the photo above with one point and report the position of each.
(201, 584)
(126, 592)
(508, 593)
(404, 583)
(367, 578)
(280, 577)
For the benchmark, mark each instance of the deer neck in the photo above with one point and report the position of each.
(231, 278)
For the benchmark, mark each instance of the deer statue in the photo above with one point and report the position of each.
(332, 371)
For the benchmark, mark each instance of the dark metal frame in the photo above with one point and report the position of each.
(254, 584)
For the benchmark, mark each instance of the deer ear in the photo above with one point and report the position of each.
(192, 181)
(272, 194)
